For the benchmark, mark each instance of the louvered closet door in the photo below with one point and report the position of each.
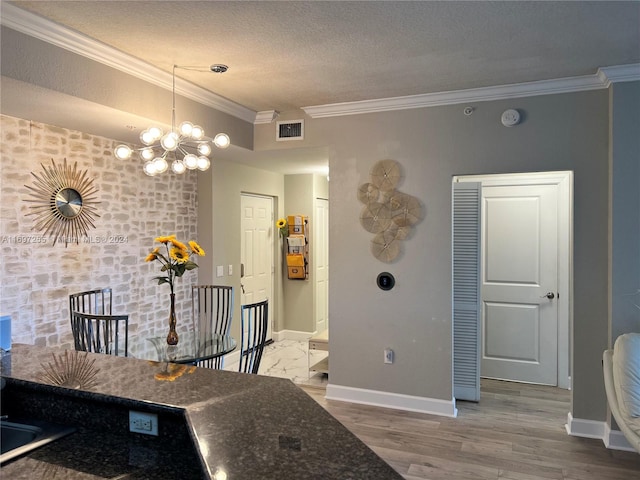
(466, 291)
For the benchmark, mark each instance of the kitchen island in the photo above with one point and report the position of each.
(212, 424)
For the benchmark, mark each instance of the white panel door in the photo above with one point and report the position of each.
(256, 251)
(519, 268)
(321, 262)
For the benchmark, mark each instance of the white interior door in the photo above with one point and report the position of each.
(519, 283)
(256, 251)
(321, 263)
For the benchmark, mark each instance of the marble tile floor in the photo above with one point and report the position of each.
(289, 359)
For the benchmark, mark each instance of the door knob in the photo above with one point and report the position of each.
(549, 295)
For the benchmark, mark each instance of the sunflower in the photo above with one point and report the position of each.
(166, 239)
(179, 244)
(281, 223)
(195, 248)
(179, 255)
(153, 255)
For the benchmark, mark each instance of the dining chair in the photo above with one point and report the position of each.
(253, 337)
(212, 312)
(108, 334)
(91, 301)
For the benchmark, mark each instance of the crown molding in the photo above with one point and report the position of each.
(619, 73)
(55, 34)
(602, 79)
(266, 116)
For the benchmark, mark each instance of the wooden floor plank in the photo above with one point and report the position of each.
(516, 432)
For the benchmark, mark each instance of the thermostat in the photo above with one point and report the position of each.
(510, 117)
(385, 281)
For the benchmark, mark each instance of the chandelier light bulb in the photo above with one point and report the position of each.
(186, 128)
(170, 141)
(197, 133)
(160, 164)
(150, 168)
(123, 152)
(147, 153)
(156, 133)
(222, 140)
(146, 137)
(203, 163)
(178, 166)
(190, 161)
(204, 148)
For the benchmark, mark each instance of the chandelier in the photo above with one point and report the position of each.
(186, 147)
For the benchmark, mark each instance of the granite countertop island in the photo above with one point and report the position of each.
(211, 424)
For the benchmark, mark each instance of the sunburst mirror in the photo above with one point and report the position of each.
(64, 198)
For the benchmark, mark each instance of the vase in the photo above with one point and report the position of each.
(172, 337)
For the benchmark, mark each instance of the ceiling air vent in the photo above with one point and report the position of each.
(290, 130)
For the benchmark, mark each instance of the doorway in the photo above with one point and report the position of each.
(257, 252)
(525, 226)
(321, 264)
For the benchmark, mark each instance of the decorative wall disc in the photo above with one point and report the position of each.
(385, 247)
(375, 217)
(64, 199)
(407, 210)
(388, 213)
(401, 233)
(368, 193)
(386, 174)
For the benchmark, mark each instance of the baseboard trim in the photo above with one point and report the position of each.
(615, 440)
(292, 335)
(396, 401)
(612, 439)
(579, 427)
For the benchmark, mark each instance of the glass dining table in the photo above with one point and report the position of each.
(192, 349)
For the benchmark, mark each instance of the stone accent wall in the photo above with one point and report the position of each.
(37, 276)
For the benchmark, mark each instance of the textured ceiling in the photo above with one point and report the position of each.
(286, 55)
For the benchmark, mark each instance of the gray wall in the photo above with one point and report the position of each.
(558, 132)
(301, 192)
(625, 209)
(220, 189)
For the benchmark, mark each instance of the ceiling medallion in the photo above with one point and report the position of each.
(64, 199)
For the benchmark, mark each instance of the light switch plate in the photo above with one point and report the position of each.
(230, 269)
(388, 355)
(220, 271)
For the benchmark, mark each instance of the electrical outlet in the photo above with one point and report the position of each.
(146, 423)
(388, 355)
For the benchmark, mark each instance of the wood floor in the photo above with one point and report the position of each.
(516, 432)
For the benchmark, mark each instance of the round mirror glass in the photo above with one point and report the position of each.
(68, 202)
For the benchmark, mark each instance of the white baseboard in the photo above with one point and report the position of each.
(579, 427)
(396, 401)
(613, 439)
(292, 335)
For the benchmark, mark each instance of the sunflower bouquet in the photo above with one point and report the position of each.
(175, 259)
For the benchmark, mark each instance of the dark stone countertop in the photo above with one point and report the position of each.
(213, 424)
